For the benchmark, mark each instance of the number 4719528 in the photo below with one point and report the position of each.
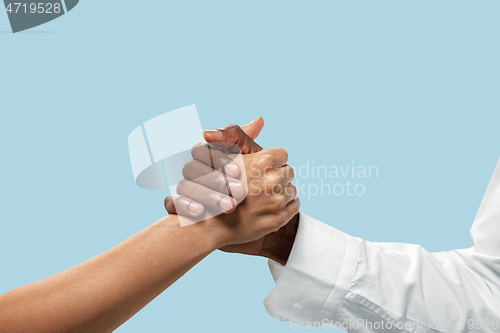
(33, 8)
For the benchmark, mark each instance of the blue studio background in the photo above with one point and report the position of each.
(411, 87)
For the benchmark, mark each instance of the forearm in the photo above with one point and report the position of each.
(102, 293)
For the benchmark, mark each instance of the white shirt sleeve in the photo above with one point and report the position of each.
(485, 231)
(332, 279)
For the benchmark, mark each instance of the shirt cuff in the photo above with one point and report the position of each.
(317, 275)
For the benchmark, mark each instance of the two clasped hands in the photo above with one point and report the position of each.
(255, 201)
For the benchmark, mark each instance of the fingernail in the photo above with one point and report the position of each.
(195, 208)
(232, 169)
(214, 133)
(236, 189)
(226, 204)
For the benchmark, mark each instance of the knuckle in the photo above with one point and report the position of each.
(283, 152)
(268, 185)
(171, 203)
(296, 206)
(277, 189)
(232, 127)
(214, 198)
(199, 147)
(183, 185)
(217, 181)
(291, 190)
(277, 202)
(167, 202)
(220, 160)
(266, 158)
(187, 168)
(273, 179)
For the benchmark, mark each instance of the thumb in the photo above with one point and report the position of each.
(253, 128)
(234, 134)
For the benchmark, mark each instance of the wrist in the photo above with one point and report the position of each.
(277, 246)
(208, 235)
(214, 231)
